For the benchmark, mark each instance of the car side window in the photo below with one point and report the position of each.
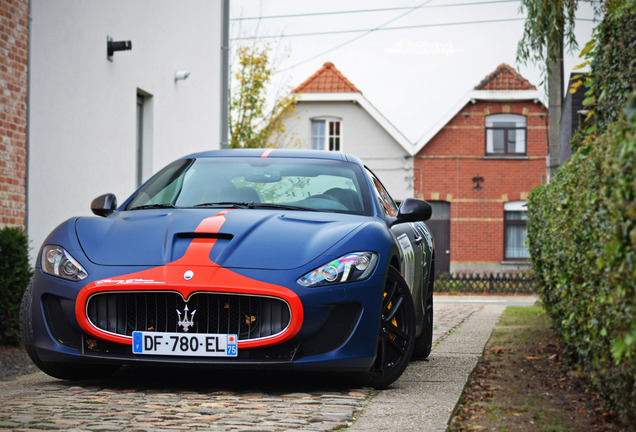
(384, 199)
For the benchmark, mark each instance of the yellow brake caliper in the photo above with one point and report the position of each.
(392, 335)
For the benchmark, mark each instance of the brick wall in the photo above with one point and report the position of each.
(446, 166)
(14, 42)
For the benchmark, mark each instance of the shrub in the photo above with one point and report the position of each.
(15, 273)
(582, 240)
(613, 66)
(582, 226)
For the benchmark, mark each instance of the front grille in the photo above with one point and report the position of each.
(249, 317)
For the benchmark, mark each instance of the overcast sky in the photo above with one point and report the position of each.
(418, 64)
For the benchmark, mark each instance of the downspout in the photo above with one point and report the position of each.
(28, 129)
(419, 193)
(225, 74)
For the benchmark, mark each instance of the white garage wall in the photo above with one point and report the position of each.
(82, 108)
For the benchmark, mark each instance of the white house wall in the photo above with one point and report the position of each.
(363, 137)
(82, 108)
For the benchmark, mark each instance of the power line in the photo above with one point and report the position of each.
(358, 11)
(281, 36)
(334, 32)
(357, 37)
(381, 27)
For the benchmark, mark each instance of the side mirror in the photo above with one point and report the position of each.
(414, 210)
(104, 205)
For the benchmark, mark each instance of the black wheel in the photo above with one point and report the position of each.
(70, 371)
(396, 335)
(424, 342)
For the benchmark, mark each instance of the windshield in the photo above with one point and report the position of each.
(303, 184)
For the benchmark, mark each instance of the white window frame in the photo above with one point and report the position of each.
(322, 142)
(522, 253)
(493, 125)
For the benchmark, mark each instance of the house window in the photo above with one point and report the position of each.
(515, 231)
(506, 134)
(326, 135)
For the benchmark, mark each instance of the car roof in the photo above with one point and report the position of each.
(276, 153)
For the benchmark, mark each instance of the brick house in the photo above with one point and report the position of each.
(476, 167)
(14, 42)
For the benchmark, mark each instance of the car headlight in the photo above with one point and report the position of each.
(56, 261)
(351, 267)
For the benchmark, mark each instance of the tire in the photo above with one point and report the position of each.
(65, 371)
(396, 333)
(424, 342)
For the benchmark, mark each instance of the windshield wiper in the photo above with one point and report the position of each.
(280, 206)
(225, 204)
(253, 205)
(152, 206)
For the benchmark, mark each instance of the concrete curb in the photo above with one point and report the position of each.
(424, 398)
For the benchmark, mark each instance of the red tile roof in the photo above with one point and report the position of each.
(327, 79)
(504, 78)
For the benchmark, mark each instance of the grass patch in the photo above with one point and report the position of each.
(523, 383)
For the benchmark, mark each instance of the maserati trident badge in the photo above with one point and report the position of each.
(186, 322)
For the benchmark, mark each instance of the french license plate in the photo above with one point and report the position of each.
(184, 344)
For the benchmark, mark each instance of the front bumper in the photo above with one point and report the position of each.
(331, 328)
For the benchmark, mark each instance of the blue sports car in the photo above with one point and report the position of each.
(267, 259)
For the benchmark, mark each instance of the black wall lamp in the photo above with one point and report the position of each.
(113, 46)
(478, 180)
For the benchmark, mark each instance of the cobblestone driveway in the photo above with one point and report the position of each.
(165, 400)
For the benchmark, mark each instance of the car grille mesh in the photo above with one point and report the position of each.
(249, 317)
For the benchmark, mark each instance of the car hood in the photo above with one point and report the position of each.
(246, 238)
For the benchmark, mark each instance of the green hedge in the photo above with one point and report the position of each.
(15, 273)
(582, 226)
(612, 61)
(582, 239)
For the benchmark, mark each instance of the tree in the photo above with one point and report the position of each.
(549, 26)
(251, 124)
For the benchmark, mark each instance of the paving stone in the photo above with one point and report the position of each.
(58, 405)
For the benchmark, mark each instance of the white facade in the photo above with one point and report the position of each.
(365, 133)
(83, 127)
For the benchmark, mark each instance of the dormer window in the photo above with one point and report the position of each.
(505, 135)
(325, 134)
